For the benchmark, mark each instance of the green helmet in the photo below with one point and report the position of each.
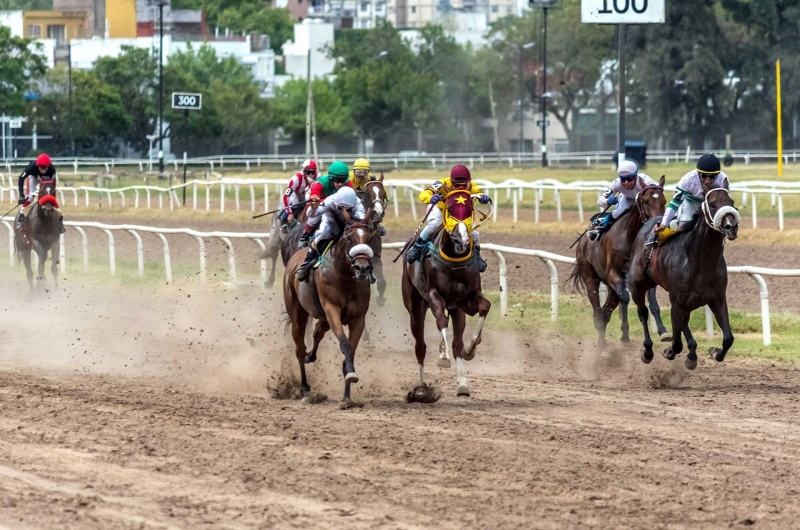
(338, 169)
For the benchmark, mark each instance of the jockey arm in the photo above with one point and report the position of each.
(602, 202)
(293, 187)
(672, 208)
(359, 213)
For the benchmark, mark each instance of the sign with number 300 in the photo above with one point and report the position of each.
(185, 101)
(622, 11)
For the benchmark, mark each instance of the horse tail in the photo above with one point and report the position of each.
(576, 279)
(285, 322)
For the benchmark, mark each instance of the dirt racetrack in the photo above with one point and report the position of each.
(151, 409)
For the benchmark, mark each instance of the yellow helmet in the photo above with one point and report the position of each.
(361, 163)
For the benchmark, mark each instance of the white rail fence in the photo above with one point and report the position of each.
(548, 258)
(258, 193)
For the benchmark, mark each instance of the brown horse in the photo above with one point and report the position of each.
(373, 197)
(337, 294)
(447, 281)
(40, 231)
(691, 267)
(276, 240)
(607, 260)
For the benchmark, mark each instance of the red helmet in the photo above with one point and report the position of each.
(43, 160)
(460, 175)
(309, 164)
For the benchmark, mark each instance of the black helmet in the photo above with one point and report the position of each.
(708, 164)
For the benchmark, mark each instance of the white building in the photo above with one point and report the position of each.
(14, 20)
(317, 36)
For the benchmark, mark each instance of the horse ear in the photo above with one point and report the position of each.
(662, 180)
(381, 179)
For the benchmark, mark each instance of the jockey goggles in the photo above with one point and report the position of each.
(309, 171)
(338, 180)
(629, 177)
(360, 172)
(707, 175)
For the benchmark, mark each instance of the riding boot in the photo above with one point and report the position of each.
(593, 235)
(305, 239)
(282, 218)
(311, 257)
(20, 220)
(417, 251)
(381, 231)
(61, 226)
(481, 263)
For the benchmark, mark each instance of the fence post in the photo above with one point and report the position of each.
(167, 261)
(558, 204)
(208, 197)
(755, 212)
(515, 205)
(10, 229)
(139, 252)
(503, 284)
(112, 261)
(252, 197)
(194, 195)
(236, 188)
(536, 205)
(580, 207)
(203, 275)
(84, 246)
(394, 202)
(553, 288)
(766, 328)
(413, 202)
(231, 259)
(709, 323)
(780, 212)
(266, 197)
(263, 248)
(135, 198)
(222, 197)
(494, 210)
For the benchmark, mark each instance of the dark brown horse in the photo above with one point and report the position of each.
(607, 260)
(373, 197)
(40, 232)
(447, 281)
(691, 267)
(337, 294)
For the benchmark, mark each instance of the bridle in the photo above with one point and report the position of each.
(376, 199)
(639, 203)
(715, 221)
(361, 249)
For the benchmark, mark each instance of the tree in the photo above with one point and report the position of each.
(20, 61)
(332, 117)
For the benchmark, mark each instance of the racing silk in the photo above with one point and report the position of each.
(357, 212)
(617, 187)
(323, 187)
(358, 183)
(443, 187)
(297, 186)
(690, 189)
(32, 170)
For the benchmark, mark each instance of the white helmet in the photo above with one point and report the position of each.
(345, 197)
(627, 168)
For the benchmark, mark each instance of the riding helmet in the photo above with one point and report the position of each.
(338, 169)
(627, 168)
(43, 160)
(708, 164)
(460, 174)
(309, 164)
(361, 163)
(345, 197)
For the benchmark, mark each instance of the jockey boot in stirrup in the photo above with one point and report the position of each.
(305, 239)
(417, 251)
(303, 270)
(593, 235)
(481, 262)
(20, 220)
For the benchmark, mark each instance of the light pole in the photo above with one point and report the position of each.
(521, 100)
(161, 4)
(544, 5)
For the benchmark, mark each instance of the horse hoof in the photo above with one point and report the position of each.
(668, 354)
(625, 340)
(381, 301)
(691, 364)
(423, 393)
(717, 354)
(348, 404)
(311, 358)
(666, 337)
(443, 363)
(312, 398)
(469, 354)
(647, 356)
(351, 377)
(463, 391)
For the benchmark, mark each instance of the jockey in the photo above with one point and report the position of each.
(38, 170)
(322, 188)
(459, 179)
(359, 176)
(295, 193)
(689, 195)
(628, 185)
(330, 212)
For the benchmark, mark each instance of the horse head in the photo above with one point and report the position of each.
(375, 200)
(459, 211)
(356, 239)
(651, 201)
(721, 214)
(47, 196)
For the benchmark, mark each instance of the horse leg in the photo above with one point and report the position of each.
(25, 253)
(416, 307)
(720, 310)
(617, 284)
(612, 301)
(641, 311)
(299, 320)
(55, 253)
(592, 283)
(438, 310)
(335, 322)
(377, 265)
(40, 278)
(680, 319)
(356, 329)
(655, 310)
(484, 306)
(691, 344)
(320, 329)
(271, 280)
(459, 324)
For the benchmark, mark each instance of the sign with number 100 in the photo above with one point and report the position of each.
(622, 11)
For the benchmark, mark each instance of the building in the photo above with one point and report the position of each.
(179, 22)
(94, 12)
(313, 34)
(59, 26)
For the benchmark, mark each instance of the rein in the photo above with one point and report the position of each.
(639, 203)
(715, 221)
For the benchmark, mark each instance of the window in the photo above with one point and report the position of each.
(495, 9)
(34, 31)
(58, 33)
(413, 9)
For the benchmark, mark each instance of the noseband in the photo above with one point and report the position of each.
(715, 221)
(639, 203)
(360, 253)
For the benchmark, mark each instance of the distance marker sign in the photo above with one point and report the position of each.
(186, 101)
(622, 11)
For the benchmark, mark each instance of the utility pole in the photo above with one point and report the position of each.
(522, 101)
(494, 118)
(309, 103)
(621, 122)
(69, 82)
(161, 5)
(544, 5)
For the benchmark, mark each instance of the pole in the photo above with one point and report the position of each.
(544, 92)
(185, 147)
(780, 121)
(161, 87)
(69, 75)
(621, 95)
(308, 104)
(521, 112)
(494, 119)
(313, 126)
(4, 137)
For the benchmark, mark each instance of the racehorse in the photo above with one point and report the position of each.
(691, 267)
(40, 231)
(373, 197)
(447, 281)
(608, 259)
(276, 239)
(337, 294)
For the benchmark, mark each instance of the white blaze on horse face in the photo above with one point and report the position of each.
(461, 230)
(378, 204)
(655, 195)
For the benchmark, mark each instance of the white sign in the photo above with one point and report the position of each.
(15, 124)
(622, 11)
(182, 100)
(546, 123)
